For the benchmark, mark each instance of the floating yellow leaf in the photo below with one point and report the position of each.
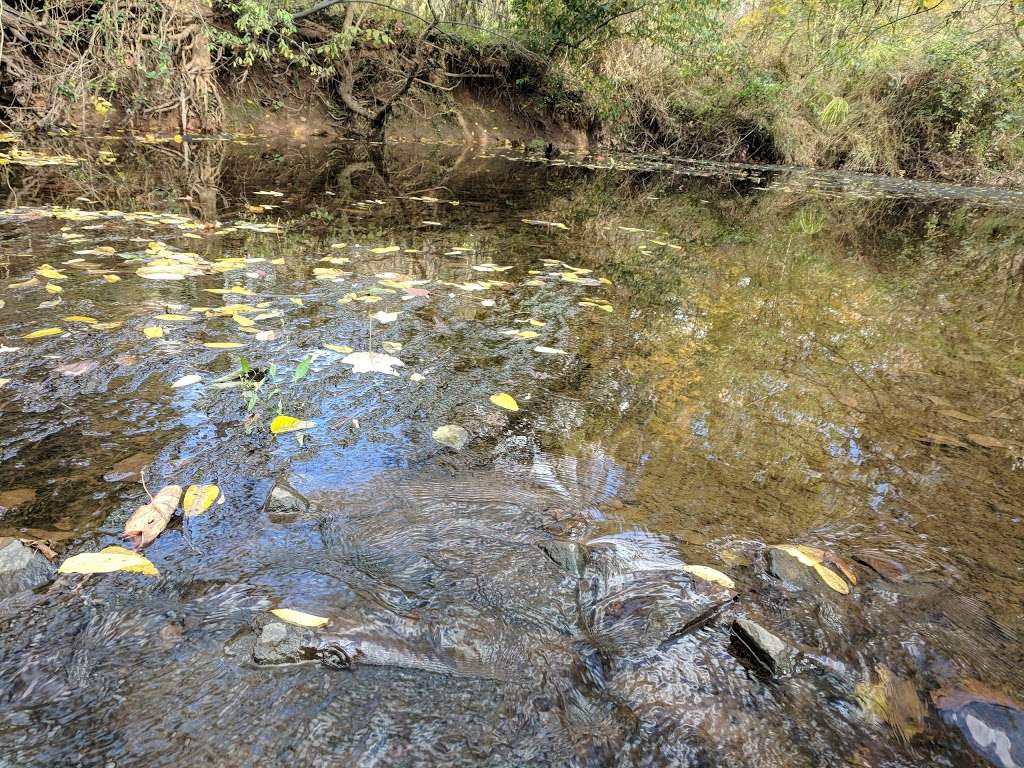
(174, 318)
(549, 350)
(506, 401)
(386, 249)
(282, 424)
(50, 288)
(222, 344)
(707, 573)
(153, 332)
(536, 323)
(43, 333)
(833, 579)
(243, 321)
(299, 618)
(50, 273)
(199, 498)
(112, 278)
(105, 326)
(108, 560)
(81, 319)
(340, 348)
(187, 381)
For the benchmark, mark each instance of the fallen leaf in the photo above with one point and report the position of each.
(417, 377)
(77, 369)
(149, 520)
(895, 701)
(340, 348)
(386, 249)
(50, 273)
(199, 498)
(706, 573)
(16, 497)
(112, 278)
(222, 344)
(299, 618)
(832, 579)
(43, 333)
(372, 362)
(550, 351)
(81, 319)
(107, 560)
(451, 435)
(283, 424)
(128, 469)
(506, 401)
(385, 317)
(986, 441)
(187, 381)
(153, 332)
(959, 415)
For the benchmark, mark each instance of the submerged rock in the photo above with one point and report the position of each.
(21, 568)
(769, 649)
(286, 504)
(570, 556)
(791, 571)
(280, 643)
(991, 723)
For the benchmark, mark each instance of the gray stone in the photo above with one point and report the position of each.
(286, 504)
(22, 568)
(570, 556)
(795, 574)
(280, 644)
(770, 649)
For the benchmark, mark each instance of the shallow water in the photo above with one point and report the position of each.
(767, 356)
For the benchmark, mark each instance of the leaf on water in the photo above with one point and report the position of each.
(51, 288)
(340, 348)
(283, 424)
(385, 317)
(391, 346)
(451, 435)
(832, 579)
(417, 377)
(174, 318)
(487, 303)
(538, 222)
(266, 336)
(81, 319)
(222, 344)
(707, 573)
(50, 273)
(806, 557)
(149, 520)
(32, 282)
(153, 332)
(77, 369)
(187, 381)
(986, 441)
(506, 401)
(303, 368)
(386, 249)
(959, 415)
(299, 618)
(243, 321)
(526, 335)
(105, 326)
(550, 351)
(108, 560)
(199, 498)
(112, 278)
(372, 362)
(43, 333)
(536, 323)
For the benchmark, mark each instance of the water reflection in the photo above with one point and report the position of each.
(783, 361)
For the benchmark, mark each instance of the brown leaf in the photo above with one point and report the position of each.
(969, 691)
(16, 497)
(149, 520)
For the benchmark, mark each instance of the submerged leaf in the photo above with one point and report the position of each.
(833, 579)
(706, 573)
(153, 332)
(506, 401)
(340, 348)
(299, 618)
(187, 381)
(108, 560)
(452, 435)
(282, 424)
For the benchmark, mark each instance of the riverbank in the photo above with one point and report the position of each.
(944, 106)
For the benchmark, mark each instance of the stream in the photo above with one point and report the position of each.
(587, 375)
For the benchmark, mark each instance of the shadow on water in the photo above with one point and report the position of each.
(732, 357)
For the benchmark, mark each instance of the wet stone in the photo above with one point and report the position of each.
(791, 571)
(570, 556)
(279, 643)
(769, 649)
(285, 504)
(21, 568)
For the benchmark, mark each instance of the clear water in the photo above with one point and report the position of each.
(790, 357)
